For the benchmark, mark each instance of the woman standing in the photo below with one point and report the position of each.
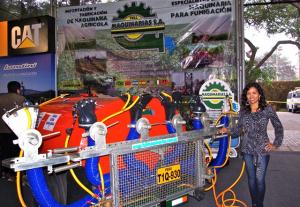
(255, 146)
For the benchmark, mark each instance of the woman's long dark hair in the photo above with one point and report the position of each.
(262, 103)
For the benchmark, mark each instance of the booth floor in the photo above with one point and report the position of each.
(283, 184)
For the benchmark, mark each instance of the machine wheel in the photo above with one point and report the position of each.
(53, 181)
(27, 195)
(199, 194)
(60, 193)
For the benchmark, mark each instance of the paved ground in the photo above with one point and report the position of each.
(283, 184)
(291, 124)
(283, 180)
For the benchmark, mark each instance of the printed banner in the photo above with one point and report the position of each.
(269, 1)
(128, 45)
(36, 73)
(27, 36)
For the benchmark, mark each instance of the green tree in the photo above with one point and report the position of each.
(267, 17)
(281, 67)
(17, 9)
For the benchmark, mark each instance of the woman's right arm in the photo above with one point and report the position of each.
(238, 129)
(234, 131)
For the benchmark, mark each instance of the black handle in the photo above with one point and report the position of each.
(170, 107)
(137, 110)
(85, 110)
(196, 105)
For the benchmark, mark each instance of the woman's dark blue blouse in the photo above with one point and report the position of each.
(252, 127)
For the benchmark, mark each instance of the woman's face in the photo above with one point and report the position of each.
(253, 95)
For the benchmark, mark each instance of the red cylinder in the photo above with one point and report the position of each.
(56, 116)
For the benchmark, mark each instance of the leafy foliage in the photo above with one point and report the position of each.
(17, 9)
(267, 17)
(282, 88)
(266, 74)
(280, 64)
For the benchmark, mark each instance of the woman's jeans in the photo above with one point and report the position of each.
(256, 167)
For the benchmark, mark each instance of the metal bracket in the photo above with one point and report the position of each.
(17, 119)
(205, 119)
(142, 127)
(177, 122)
(29, 141)
(98, 133)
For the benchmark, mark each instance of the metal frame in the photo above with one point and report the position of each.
(50, 159)
(183, 140)
(240, 48)
(127, 147)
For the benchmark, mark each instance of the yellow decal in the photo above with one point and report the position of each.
(3, 39)
(25, 37)
(27, 43)
(168, 174)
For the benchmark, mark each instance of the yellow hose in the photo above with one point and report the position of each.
(224, 163)
(46, 102)
(123, 110)
(100, 171)
(18, 176)
(99, 167)
(227, 153)
(29, 123)
(105, 119)
(167, 95)
(127, 102)
(102, 180)
(214, 180)
(75, 176)
(230, 104)
(222, 194)
(82, 185)
(209, 152)
(218, 119)
(18, 183)
(230, 113)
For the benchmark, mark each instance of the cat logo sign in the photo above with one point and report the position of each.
(25, 37)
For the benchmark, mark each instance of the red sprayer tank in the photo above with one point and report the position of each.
(57, 116)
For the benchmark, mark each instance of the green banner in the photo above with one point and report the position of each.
(140, 45)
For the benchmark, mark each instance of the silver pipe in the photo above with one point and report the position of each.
(66, 167)
(51, 135)
(64, 150)
(113, 124)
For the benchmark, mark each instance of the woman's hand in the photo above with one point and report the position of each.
(269, 147)
(223, 130)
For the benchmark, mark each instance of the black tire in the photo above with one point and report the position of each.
(57, 184)
(199, 194)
